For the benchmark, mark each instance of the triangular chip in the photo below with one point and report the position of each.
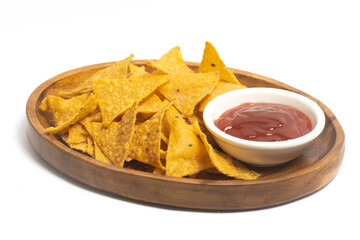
(147, 140)
(62, 110)
(117, 70)
(73, 114)
(136, 72)
(115, 140)
(95, 116)
(99, 155)
(211, 62)
(80, 146)
(86, 146)
(66, 112)
(224, 163)
(188, 89)
(220, 88)
(150, 104)
(186, 154)
(171, 62)
(90, 147)
(115, 96)
(77, 134)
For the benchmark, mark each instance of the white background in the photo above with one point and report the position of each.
(311, 45)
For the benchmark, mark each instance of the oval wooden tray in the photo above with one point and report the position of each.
(281, 184)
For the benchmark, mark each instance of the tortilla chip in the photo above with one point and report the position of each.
(79, 146)
(186, 154)
(74, 114)
(115, 96)
(99, 155)
(165, 128)
(117, 70)
(136, 72)
(90, 147)
(62, 110)
(220, 88)
(188, 89)
(162, 154)
(95, 116)
(171, 62)
(211, 62)
(147, 140)
(224, 163)
(158, 171)
(150, 104)
(77, 134)
(115, 140)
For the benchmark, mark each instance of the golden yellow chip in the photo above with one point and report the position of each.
(90, 147)
(211, 62)
(99, 155)
(147, 139)
(224, 163)
(66, 112)
(95, 116)
(162, 154)
(165, 128)
(171, 62)
(83, 146)
(77, 134)
(186, 154)
(158, 171)
(77, 112)
(117, 70)
(188, 89)
(150, 104)
(62, 110)
(115, 140)
(136, 72)
(115, 96)
(220, 88)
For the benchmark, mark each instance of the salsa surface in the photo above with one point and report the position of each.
(264, 122)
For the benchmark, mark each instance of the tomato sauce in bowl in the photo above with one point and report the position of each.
(264, 122)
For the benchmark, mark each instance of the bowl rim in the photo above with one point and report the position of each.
(208, 116)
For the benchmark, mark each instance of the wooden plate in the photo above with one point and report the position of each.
(281, 184)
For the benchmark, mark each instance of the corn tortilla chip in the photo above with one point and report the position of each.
(188, 89)
(99, 155)
(79, 111)
(224, 163)
(115, 96)
(90, 147)
(186, 154)
(171, 62)
(117, 70)
(80, 146)
(114, 141)
(147, 139)
(150, 104)
(77, 134)
(211, 62)
(136, 72)
(62, 110)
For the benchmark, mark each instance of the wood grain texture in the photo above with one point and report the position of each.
(293, 180)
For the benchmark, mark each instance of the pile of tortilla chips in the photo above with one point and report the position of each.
(123, 114)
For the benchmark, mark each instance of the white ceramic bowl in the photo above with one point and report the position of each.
(263, 153)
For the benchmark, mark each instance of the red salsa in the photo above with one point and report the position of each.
(264, 122)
